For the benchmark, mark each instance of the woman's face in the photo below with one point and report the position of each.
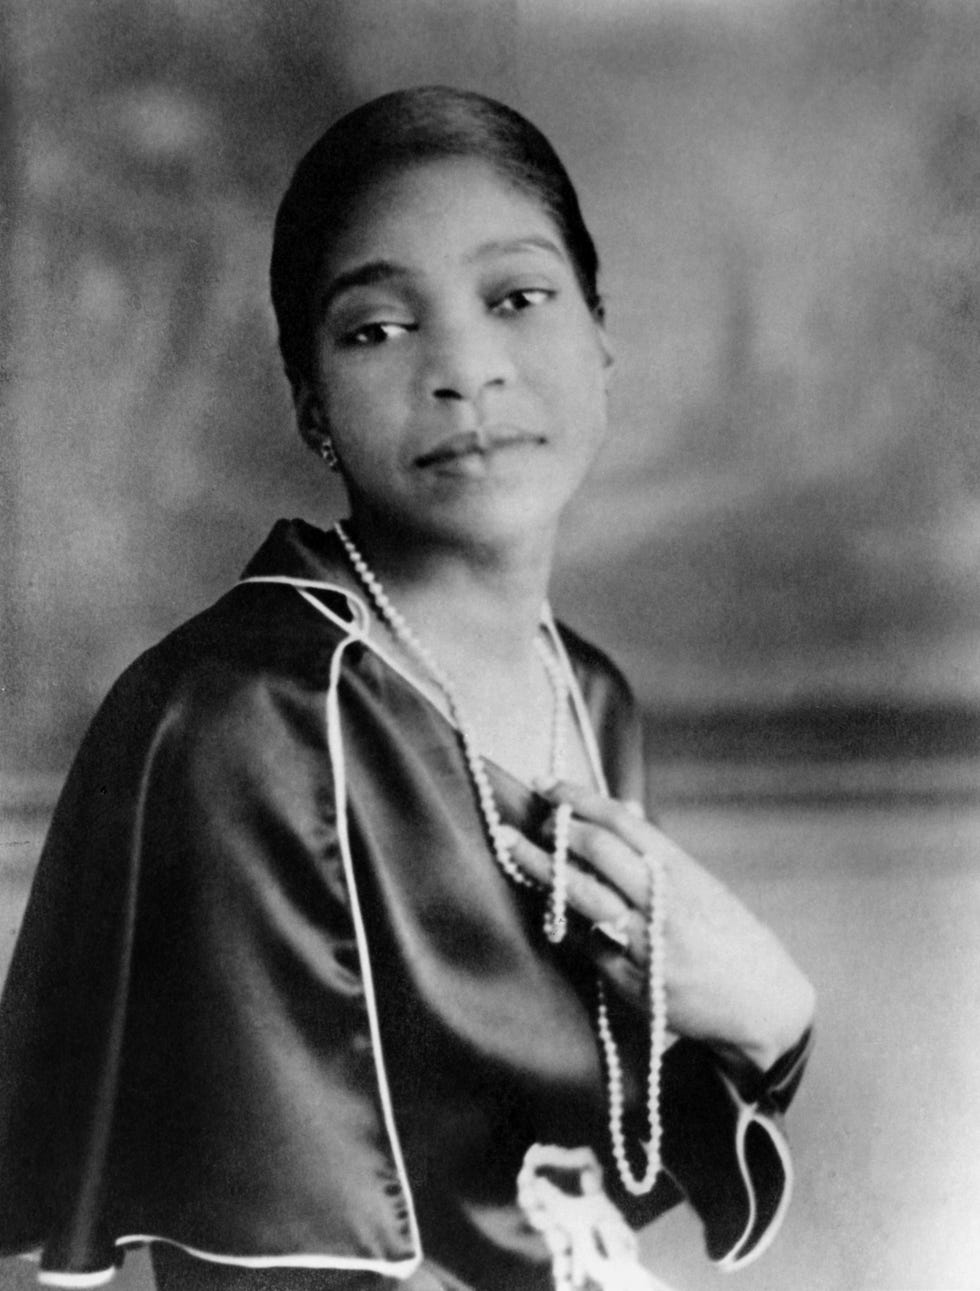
(460, 371)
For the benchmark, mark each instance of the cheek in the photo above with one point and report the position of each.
(359, 400)
(577, 377)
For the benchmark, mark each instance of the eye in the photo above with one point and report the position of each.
(516, 302)
(369, 334)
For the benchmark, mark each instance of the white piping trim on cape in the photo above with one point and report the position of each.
(356, 631)
(387, 1268)
(578, 700)
(583, 721)
(98, 1279)
(748, 1114)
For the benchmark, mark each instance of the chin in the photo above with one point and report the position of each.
(485, 522)
(499, 532)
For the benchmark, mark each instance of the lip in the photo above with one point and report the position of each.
(483, 443)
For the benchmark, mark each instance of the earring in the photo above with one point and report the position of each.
(329, 453)
(316, 429)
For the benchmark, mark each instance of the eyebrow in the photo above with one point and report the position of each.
(373, 272)
(364, 275)
(533, 242)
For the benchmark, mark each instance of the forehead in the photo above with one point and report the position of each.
(440, 210)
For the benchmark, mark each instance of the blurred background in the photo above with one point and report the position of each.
(780, 544)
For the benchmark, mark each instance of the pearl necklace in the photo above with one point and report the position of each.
(555, 918)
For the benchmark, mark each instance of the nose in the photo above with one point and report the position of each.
(467, 357)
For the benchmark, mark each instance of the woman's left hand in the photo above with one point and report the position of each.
(730, 982)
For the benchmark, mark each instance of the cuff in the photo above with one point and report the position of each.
(726, 1151)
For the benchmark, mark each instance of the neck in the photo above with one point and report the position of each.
(465, 631)
(469, 602)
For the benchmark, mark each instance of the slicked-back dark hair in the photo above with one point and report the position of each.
(393, 133)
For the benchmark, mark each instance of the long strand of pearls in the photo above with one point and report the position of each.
(657, 995)
(556, 911)
(474, 762)
(555, 920)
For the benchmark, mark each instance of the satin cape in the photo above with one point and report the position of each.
(274, 1002)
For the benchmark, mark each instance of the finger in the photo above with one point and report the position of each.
(623, 971)
(608, 836)
(587, 894)
(617, 862)
(624, 968)
(613, 860)
(593, 899)
(602, 810)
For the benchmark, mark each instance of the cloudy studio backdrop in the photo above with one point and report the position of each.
(780, 544)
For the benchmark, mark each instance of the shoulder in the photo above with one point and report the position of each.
(243, 676)
(267, 627)
(612, 713)
(253, 630)
(595, 671)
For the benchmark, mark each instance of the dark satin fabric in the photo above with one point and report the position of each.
(185, 1041)
(174, 1270)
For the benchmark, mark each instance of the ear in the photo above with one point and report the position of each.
(310, 417)
(606, 352)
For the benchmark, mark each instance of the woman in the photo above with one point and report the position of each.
(351, 957)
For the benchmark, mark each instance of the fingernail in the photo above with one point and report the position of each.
(545, 783)
(508, 835)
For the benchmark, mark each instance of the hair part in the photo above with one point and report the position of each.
(393, 133)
